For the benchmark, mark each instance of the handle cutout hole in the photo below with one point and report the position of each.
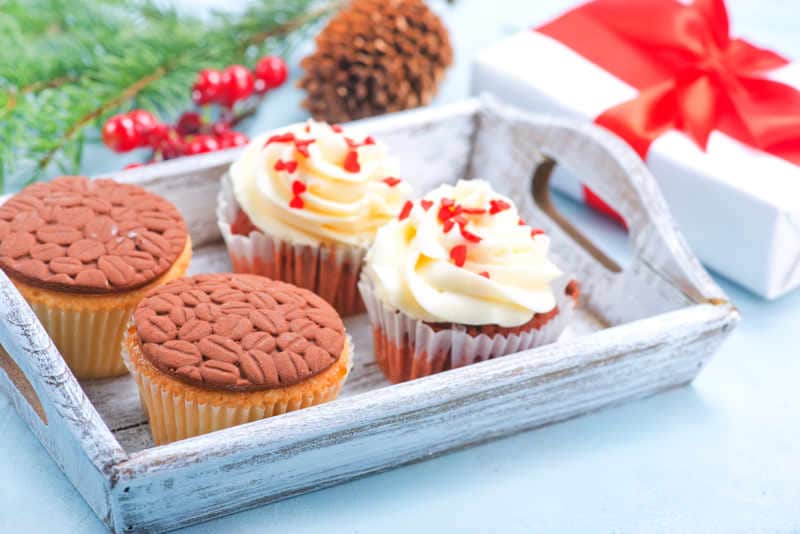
(583, 224)
(22, 383)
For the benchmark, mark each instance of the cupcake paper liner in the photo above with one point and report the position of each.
(88, 331)
(88, 339)
(330, 271)
(408, 348)
(179, 411)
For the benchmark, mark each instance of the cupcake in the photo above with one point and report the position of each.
(213, 351)
(83, 253)
(458, 277)
(303, 204)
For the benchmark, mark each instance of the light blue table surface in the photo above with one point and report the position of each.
(720, 456)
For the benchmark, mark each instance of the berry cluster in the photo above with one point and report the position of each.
(235, 83)
(194, 134)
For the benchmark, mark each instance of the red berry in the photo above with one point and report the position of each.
(459, 255)
(144, 122)
(207, 87)
(157, 134)
(231, 139)
(120, 135)
(200, 144)
(270, 72)
(220, 128)
(237, 84)
(189, 123)
(168, 142)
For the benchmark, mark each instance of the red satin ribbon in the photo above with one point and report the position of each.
(691, 75)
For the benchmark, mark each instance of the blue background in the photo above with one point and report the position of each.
(719, 456)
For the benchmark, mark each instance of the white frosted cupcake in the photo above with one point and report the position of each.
(458, 278)
(302, 204)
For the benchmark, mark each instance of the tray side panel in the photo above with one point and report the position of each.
(50, 401)
(198, 479)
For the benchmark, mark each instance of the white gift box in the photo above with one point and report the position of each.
(738, 207)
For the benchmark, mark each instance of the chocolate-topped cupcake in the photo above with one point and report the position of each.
(218, 350)
(83, 253)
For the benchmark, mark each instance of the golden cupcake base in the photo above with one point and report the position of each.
(88, 329)
(178, 410)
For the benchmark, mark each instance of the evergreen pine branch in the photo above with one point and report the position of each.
(74, 63)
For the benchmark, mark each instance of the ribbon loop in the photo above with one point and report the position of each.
(690, 74)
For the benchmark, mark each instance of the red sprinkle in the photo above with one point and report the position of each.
(308, 128)
(301, 145)
(336, 128)
(351, 162)
(473, 211)
(296, 203)
(351, 143)
(447, 225)
(485, 274)
(426, 204)
(469, 236)
(536, 231)
(406, 211)
(448, 209)
(289, 166)
(298, 188)
(521, 222)
(391, 181)
(498, 205)
(281, 138)
(459, 255)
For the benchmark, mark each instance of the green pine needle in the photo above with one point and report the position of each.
(68, 65)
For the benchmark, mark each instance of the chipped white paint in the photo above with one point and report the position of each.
(642, 330)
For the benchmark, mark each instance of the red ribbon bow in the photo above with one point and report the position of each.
(690, 74)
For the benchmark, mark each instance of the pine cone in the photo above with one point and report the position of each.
(374, 57)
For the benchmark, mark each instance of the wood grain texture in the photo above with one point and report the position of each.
(74, 435)
(647, 328)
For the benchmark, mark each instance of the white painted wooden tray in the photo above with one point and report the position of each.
(641, 330)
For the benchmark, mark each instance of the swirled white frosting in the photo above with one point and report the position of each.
(338, 189)
(485, 267)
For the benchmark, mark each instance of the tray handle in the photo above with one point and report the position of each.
(613, 171)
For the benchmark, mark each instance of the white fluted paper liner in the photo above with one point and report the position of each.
(408, 348)
(88, 339)
(330, 271)
(179, 411)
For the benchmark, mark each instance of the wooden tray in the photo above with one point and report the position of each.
(644, 329)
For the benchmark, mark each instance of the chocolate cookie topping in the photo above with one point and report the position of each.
(238, 332)
(89, 236)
